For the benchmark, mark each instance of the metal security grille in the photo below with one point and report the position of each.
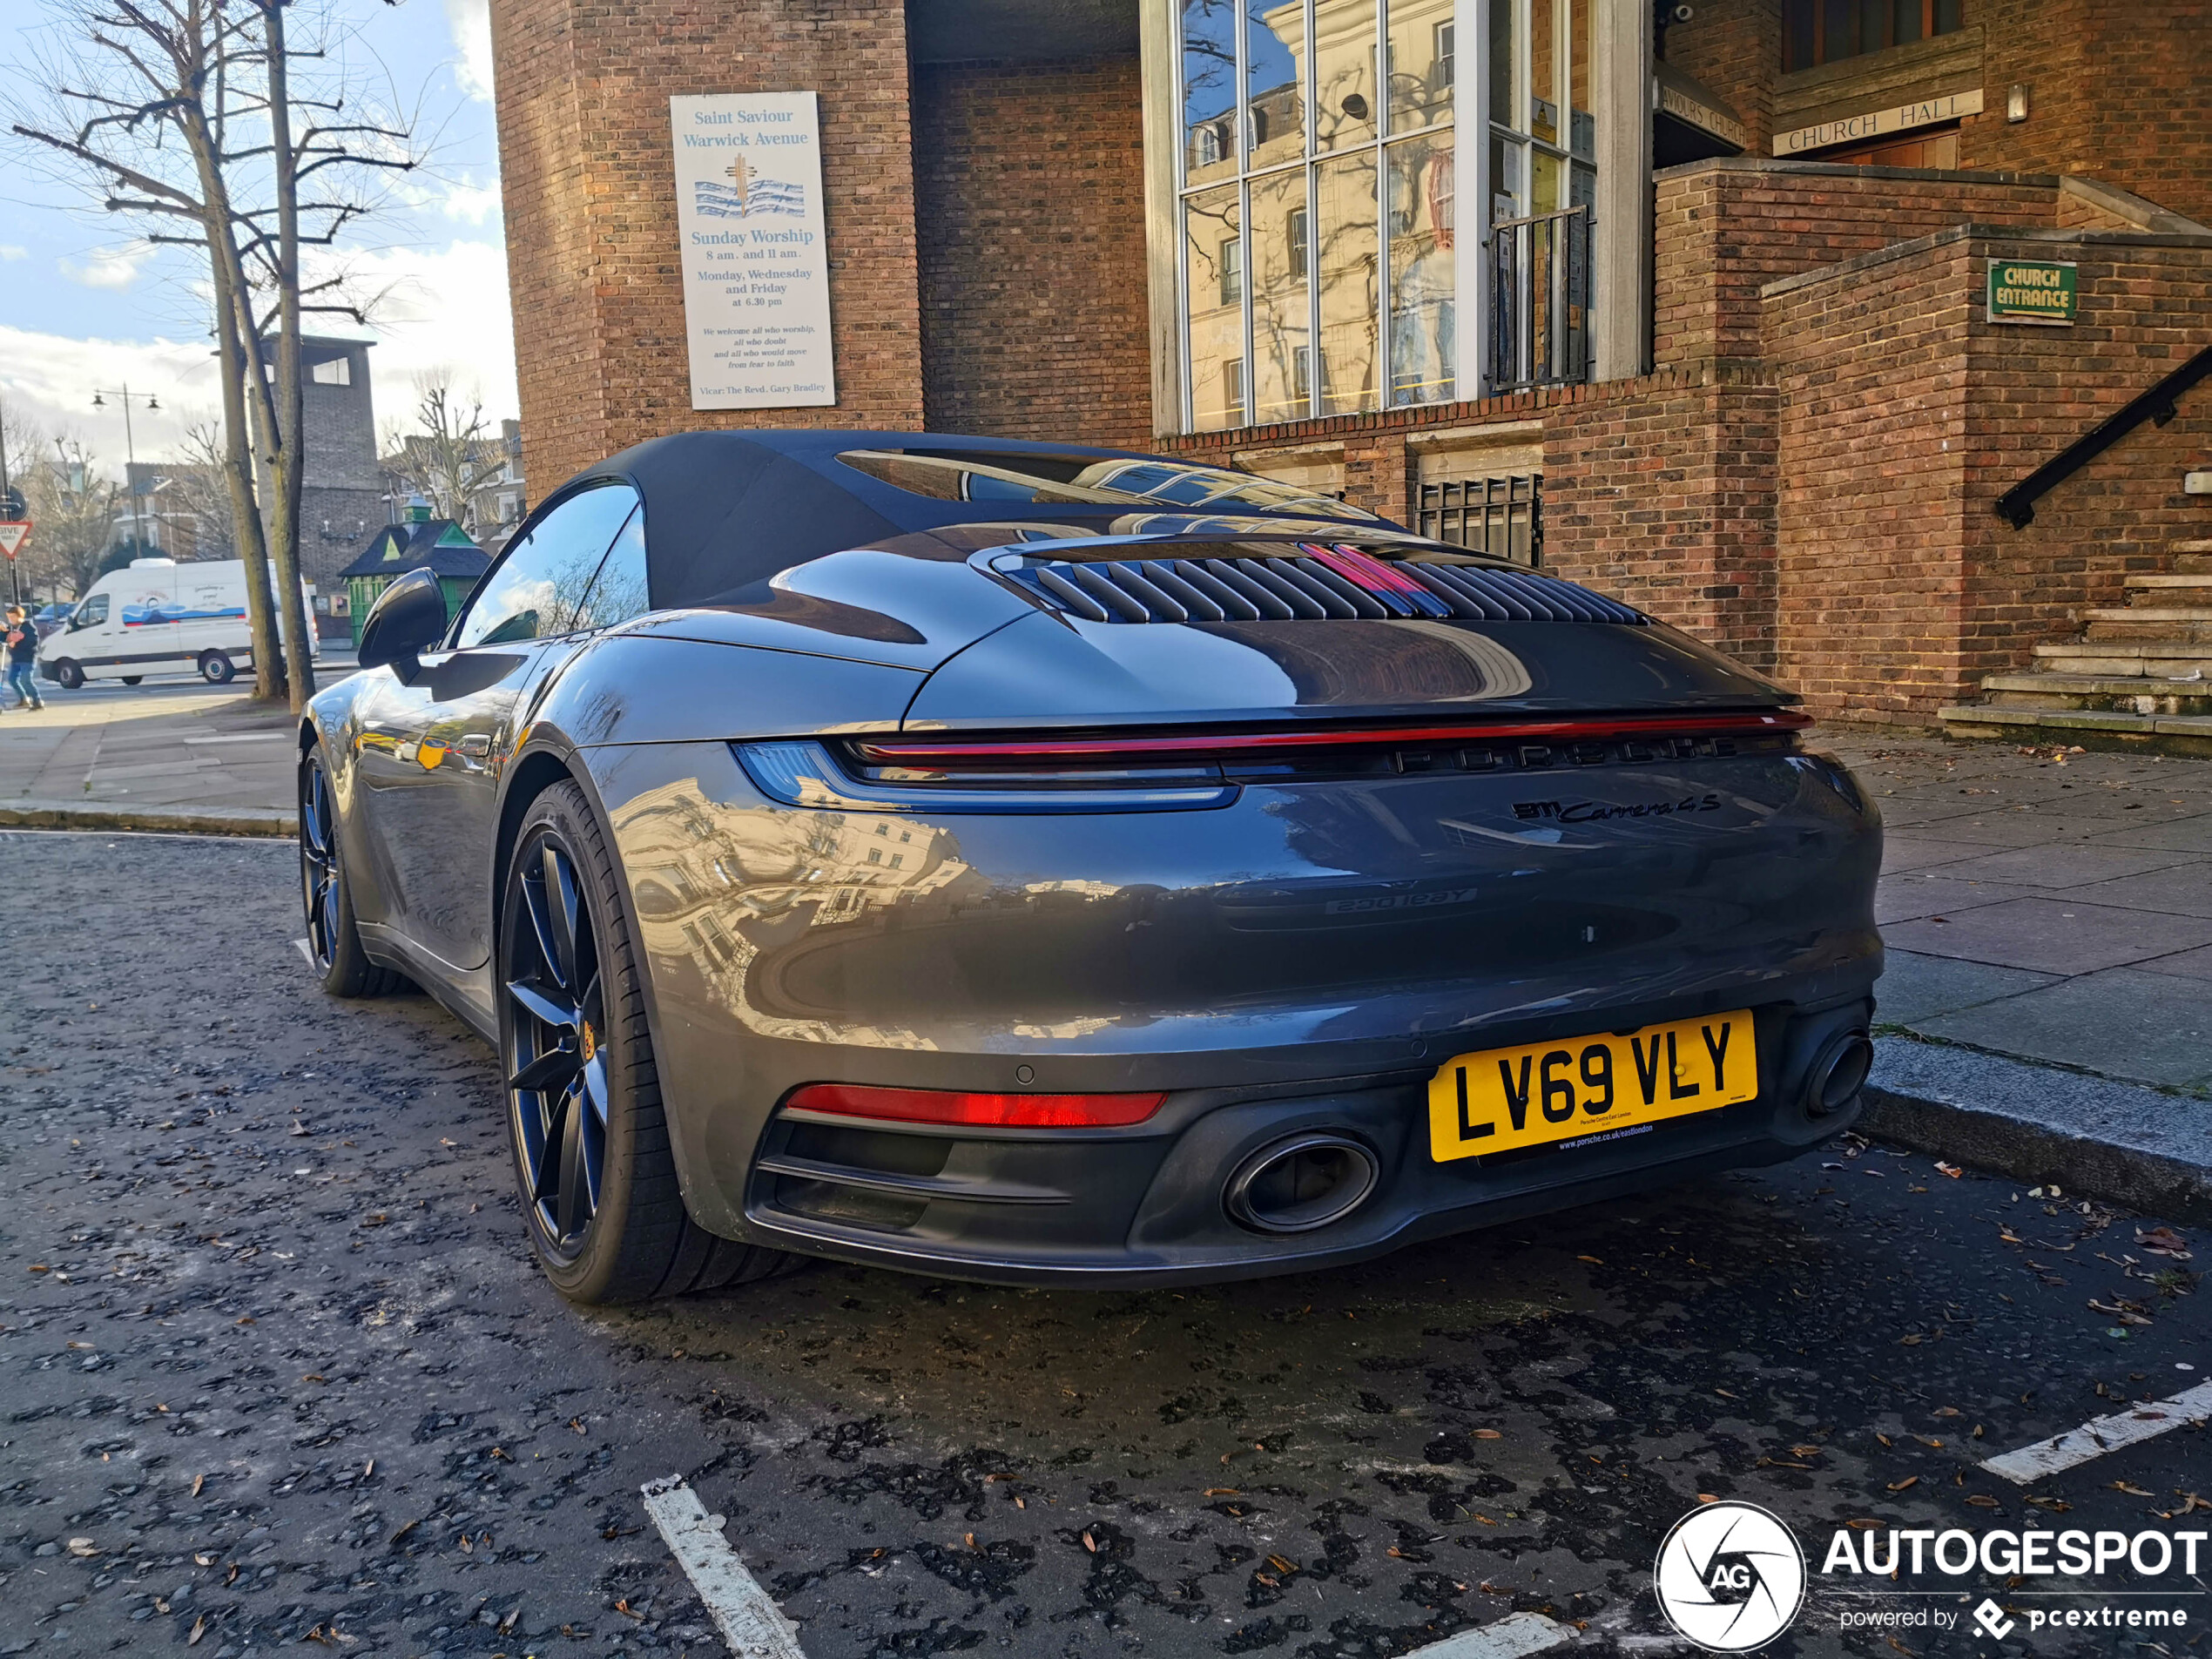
(1502, 516)
(1540, 299)
(1309, 587)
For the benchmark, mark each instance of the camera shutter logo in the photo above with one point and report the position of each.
(1729, 1577)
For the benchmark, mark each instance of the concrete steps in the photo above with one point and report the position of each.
(2138, 676)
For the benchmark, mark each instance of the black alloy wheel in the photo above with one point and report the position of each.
(593, 1166)
(556, 1062)
(334, 940)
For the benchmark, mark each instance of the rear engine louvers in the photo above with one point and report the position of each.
(1313, 585)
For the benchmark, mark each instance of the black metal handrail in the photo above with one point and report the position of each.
(2158, 405)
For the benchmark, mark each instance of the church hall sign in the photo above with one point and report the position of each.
(1874, 124)
(754, 251)
(2030, 291)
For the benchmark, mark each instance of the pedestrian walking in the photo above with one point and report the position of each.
(22, 640)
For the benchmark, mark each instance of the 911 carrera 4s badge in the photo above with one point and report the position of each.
(1501, 1099)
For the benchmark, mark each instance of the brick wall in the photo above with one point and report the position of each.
(2143, 310)
(589, 191)
(1029, 186)
(1904, 416)
(1662, 491)
(1726, 228)
(1734, 48)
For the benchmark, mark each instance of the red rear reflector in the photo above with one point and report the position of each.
(1568, 729)
(987, 1111)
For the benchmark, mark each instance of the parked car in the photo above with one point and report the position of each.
(50, 618)
(1044, 864)
(154, 617)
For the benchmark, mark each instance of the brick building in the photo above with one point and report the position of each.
(1721, 301)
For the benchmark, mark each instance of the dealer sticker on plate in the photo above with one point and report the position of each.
(1503, 1099)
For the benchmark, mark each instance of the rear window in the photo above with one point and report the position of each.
(1114, 481)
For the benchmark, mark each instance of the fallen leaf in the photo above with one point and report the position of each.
(198, 1481)
(1951, 1169)
(1281, 1565)
(198, 1630)
(1983, 1501)
(1591, 1260)
(1948, 1411)
(1708, 1497)
(2133, 1491)
(1488, 1434)
(1220, 1491)
(1090, 1543)
(969, 1539)
(1909, 1480)
(82, 1546)
(402, 1532)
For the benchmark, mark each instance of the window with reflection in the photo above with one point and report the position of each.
(1317, 206)
(1821, 31)
(536, 589)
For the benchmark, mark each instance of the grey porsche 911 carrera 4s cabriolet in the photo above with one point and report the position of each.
(1033, 863)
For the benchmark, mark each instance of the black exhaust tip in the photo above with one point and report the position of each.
(1837, 1074)
(1297, 1184)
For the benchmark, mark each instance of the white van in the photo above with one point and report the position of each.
(159, 616)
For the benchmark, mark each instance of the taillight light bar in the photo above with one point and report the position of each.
(963, 1110)
(1571, 729)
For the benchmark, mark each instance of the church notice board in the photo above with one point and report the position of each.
(754, 251)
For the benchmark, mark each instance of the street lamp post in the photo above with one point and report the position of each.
(130, 453)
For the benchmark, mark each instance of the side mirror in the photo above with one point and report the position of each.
(407, 619)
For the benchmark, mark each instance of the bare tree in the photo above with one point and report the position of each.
(72, 504)
(202, 489)
(185, 114)
(452, 456)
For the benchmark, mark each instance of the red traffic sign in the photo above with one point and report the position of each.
(13, 534)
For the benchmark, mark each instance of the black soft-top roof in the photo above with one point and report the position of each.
(727, 509)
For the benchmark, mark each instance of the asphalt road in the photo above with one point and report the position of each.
(272, 1350)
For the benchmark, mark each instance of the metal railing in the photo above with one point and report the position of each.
(1540, 299)
(1502, 516)
(2158, 405)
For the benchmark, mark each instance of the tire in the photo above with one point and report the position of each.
(216, 668)
(131, 679)
(333, 938)
(593, 1168)
(68, 676)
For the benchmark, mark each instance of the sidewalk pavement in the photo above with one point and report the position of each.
(2047, 1006)
(176, 754)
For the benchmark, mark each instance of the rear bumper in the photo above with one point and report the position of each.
(1304, 959)
(1147, 1205)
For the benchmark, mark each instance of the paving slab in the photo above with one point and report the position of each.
(1905, 853)
(2181, 835)
(1914, 987)
(1908, 896)
(2053, 936)
(2146, 1027)
(2065, 864)
(2183, 889)
(2189, 964)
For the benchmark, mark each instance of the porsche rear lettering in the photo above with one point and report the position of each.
(1592, 811)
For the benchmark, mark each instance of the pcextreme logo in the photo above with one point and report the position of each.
(1729, 1577)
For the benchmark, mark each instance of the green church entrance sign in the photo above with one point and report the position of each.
(2030, 291)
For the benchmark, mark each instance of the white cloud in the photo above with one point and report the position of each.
(113, 268)
(473, 204)
(440, 309)
(9, 251)
(470, 21)
(52, 380)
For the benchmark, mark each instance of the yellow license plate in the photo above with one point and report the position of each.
(1503, 1099)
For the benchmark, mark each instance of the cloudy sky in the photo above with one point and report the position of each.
(84, 306)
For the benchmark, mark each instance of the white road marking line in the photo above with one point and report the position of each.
(305, 950)
(1509, 1638)
(2103, 1435)
(246, 736)
(749, 1618)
